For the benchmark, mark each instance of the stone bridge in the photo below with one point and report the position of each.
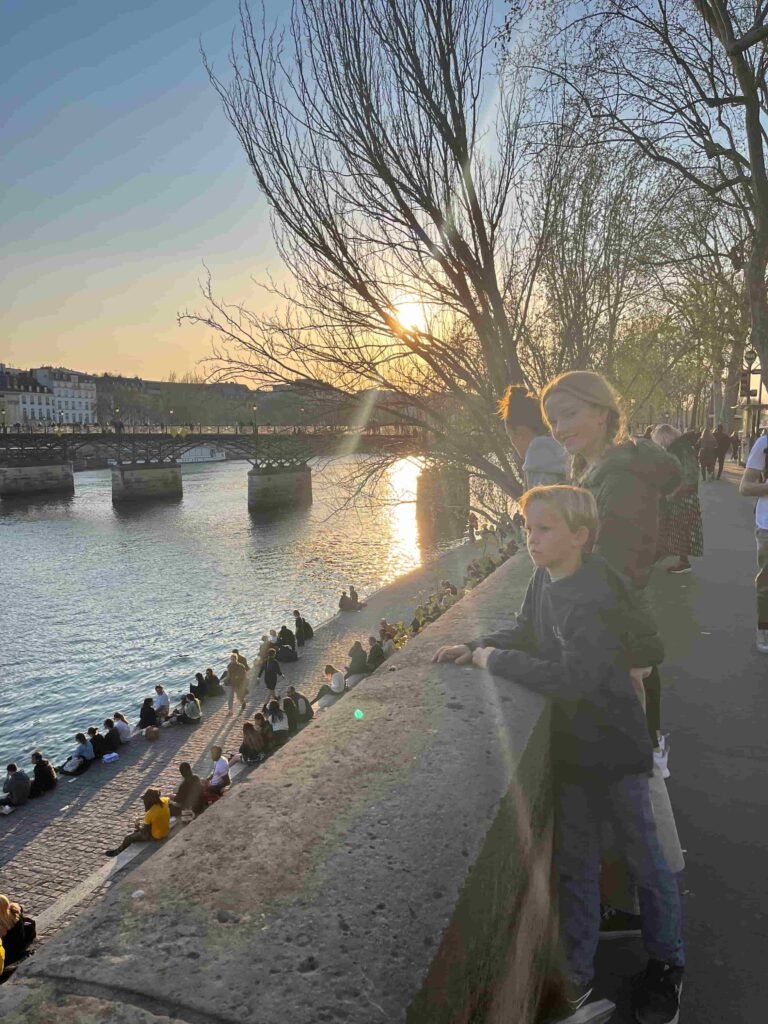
(145, 462)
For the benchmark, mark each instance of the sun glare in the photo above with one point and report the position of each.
(411, 313)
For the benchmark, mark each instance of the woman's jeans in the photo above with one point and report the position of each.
(580, 808)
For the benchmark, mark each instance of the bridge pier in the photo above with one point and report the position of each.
(273, 488)
(20, 480)
(146, 481)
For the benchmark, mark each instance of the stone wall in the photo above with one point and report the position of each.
(20, 480)
(281, 489)
(390, 867)
(146, 481)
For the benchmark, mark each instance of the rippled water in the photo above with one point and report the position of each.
(99, 604)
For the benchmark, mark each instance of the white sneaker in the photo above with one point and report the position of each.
(762, 641)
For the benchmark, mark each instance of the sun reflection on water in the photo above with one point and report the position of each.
(401, 480)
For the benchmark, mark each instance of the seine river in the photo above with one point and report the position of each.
(99, 604)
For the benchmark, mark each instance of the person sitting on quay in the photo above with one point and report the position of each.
(334, 687)
(286, 637)
(388, 628)
(162, 704)
(358, 665)
(189, 711)
(16, 933)
(270, 669)
(43, 775)
(112, 738)
(189, 796)
(346, 604)
(97, 742)
(304, 631)
(278, 719)
(290, 712)
(16, 787)
(285, 653)
(81, 757)
(387, 644)
(264, 729)
(219, 778)
(122, 726)
(375, 656)
(274, 640)
(156, 823)
(199, 688)
(253, 748)
(213, 687)
(147, 714)
(355, 598)
(304, 710)
(417, 622)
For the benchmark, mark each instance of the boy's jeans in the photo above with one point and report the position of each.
(579, 810)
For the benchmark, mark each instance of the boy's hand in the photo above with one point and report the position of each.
(460, 654)
(480, 656)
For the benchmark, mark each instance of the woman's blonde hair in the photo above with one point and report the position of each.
(10, 915)
(575, 505)
(593, 389)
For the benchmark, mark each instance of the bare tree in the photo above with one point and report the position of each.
(392, 158)
(684, 83)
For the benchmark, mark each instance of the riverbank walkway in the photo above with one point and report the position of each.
(715, 707)
(52, 849)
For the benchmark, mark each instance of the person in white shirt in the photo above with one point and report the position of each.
(387, 643)
(219, 777)
(162, 702)
(122, 727)
(333, 688)
(754, 484)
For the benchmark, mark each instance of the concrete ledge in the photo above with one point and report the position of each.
(389, 868)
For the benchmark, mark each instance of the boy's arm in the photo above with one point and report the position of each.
(589, 654)
(519, 637)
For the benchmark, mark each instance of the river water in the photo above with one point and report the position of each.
(98, 604)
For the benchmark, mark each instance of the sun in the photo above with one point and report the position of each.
(411, 313)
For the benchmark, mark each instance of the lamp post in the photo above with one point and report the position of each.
(255, 424)
(170, 419)
(750, 358)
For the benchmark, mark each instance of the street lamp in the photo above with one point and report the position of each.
(255, 425)
(170, 418)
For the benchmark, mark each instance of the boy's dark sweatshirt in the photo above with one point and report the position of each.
(574, 641)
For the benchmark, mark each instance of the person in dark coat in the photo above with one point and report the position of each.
(98, 742)
(291, 714)
(681, 530)
(287, 637)
(375, 654)
(189, 796)
(723, 440)
(147, 714)
(199, 688)
(270, 669)
(299, 628)
(43, 775)
(213, 687)
(358, 661)
(111, 736)
(707, 453)
(304, 710)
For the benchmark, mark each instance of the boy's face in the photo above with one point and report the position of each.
(551, 544)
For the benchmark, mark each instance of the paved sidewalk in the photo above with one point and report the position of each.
(716, 709)
(49, 846)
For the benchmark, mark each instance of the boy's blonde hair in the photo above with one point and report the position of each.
(576, 506)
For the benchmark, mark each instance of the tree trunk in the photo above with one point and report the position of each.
(731, 395)
(754, 278)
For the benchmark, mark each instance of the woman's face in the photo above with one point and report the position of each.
(579, 426)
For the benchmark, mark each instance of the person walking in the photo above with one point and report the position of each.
(754, 484)
(723, 441)
(681, 531)
(270, 669)
(707, 453)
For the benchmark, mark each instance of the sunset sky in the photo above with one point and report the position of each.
(119, 176)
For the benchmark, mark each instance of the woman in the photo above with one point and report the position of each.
(123, 727)
(279, 722)
(333, 688)
(707, 453)
(199, 688)
(680, 527)
(252, 748)
(213, 687)
(270, 669)
(147, 714)
(292, 715)
(627, 479)
(264, 730)
(358, 661)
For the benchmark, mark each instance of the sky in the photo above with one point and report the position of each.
(119, 178)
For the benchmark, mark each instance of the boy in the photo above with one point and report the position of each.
(579, 631)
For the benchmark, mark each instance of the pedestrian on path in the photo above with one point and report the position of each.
(723, 444)
(681, 531)
(270, 669)
(754, 484)
(707, 453)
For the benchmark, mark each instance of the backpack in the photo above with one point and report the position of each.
(308, 631)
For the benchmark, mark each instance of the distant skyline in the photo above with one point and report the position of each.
(120, 176)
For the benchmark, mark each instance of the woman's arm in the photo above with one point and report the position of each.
(752, 486)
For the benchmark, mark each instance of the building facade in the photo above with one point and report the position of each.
(74, 394)
(23, 399)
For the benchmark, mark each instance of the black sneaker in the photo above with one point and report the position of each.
(618, 924)
(656, 994)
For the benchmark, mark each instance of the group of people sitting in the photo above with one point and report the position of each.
(350, 602)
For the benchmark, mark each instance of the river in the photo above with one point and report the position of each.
(100, 603)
